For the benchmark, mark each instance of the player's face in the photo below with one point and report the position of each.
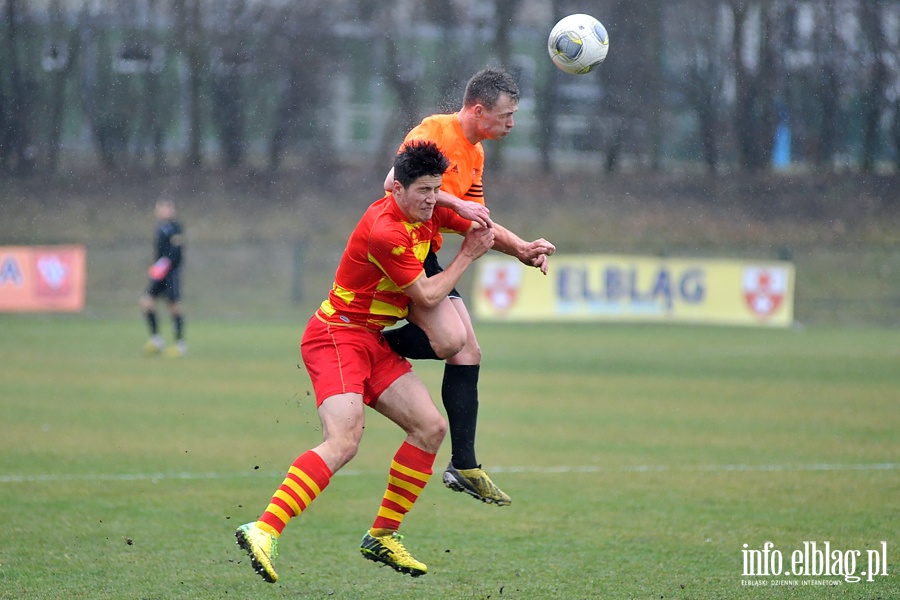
(496, 123)
(418, 200)
(165, 210)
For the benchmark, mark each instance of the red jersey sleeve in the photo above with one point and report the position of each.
(447, 220)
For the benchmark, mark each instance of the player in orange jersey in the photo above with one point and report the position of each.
(489, 103)
(351, 365)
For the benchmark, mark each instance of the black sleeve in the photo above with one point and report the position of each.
(170, 243)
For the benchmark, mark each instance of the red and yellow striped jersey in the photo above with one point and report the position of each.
(383, 256)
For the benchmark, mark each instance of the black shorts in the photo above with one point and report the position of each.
(169, 287)
(432, 268)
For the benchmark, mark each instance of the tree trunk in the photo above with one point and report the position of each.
(188, 40)
(14, 141)
(877, 83)
(755, 116)
(58, 98)
(545, 104)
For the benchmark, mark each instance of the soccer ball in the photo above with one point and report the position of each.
(578, 43)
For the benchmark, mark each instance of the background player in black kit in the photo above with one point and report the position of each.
(165, 280)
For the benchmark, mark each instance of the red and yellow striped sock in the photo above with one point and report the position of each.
(410, 471)
(305, 480)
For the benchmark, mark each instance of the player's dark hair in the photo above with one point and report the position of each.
(486, 85)
(418, 158)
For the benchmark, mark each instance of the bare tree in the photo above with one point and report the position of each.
(60, 56)
(871, 17)
(895, 133)
(504, 15)
(632, 104)
(702, 78)
(827, 52)
(190, 40)
(231, 57)
(404, 76)
(546, 102)
(754, 59)
(504, 21)
(16, 155)
(401, 69)
(302, 85)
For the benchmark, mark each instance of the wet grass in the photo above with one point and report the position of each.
(640, 461)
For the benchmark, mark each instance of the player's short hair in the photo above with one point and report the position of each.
(485, 87)
(418, 158)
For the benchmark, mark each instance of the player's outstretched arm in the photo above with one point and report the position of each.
(533, 254)
(428, 292)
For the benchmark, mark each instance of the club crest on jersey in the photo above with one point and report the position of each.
(500, 283)
(764, 289)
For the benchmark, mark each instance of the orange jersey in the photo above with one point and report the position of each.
(463, 177)
(383, 256)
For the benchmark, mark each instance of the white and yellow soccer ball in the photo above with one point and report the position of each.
(578, 43)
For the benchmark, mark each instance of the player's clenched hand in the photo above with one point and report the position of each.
(475, 212)
(532, 250)
(540, 246)
(535, 254)
(477, 242)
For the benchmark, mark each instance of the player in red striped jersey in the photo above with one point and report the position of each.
(352, 366)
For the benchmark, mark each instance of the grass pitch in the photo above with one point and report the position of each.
(640, 461)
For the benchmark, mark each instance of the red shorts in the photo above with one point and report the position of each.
(342, 359)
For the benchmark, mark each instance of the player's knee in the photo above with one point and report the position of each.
(450, 344)
(433, 432)
(341, 447)
(345, 449)
(469, 355)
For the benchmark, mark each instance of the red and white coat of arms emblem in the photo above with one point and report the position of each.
(764, 289)
(500, 283)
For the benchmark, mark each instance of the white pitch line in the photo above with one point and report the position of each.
(737, 468)
(701, 468)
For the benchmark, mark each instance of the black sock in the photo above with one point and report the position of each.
(151, 322)
(410, 341)
(178, 320)
(460, 395)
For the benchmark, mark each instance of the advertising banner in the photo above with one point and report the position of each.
(635, 288)
(42, 278)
